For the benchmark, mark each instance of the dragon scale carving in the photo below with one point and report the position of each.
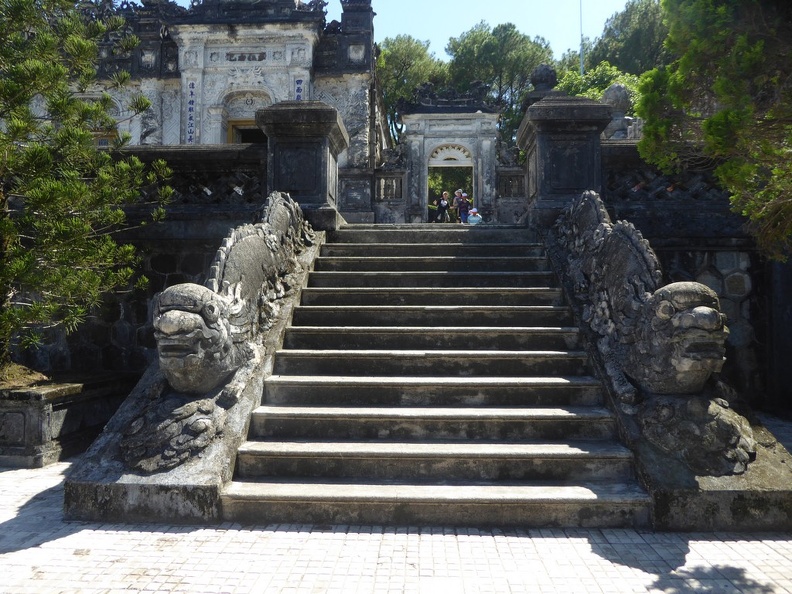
(661, 345)
(208, 337)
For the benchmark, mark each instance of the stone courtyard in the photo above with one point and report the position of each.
(40, 552)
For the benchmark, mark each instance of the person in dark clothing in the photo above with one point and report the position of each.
(462, 205)
(442, 209)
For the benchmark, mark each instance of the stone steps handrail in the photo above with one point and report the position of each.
(661, 346)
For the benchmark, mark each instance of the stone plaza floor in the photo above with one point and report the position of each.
(42, 553)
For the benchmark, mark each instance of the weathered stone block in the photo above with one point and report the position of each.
(741, 334)
(561, 136)
(727, 261)
(304, 141)
(44, 424)
(712, 280)
(730, 309)
(12, 428)
(737, 285)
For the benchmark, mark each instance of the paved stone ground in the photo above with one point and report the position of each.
(41, 553)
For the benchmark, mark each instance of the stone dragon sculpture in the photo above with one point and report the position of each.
(661, 346)
(208, 338)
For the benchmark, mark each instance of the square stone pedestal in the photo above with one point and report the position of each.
(304, 141)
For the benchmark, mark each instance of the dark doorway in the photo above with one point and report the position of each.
(448, 179)
(250, 135)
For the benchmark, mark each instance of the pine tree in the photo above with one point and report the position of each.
(726, 102)
(61, 197)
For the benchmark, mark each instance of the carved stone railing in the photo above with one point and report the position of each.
(171, 447)
(660, 346)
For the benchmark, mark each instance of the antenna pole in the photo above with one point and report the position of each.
(581, 37)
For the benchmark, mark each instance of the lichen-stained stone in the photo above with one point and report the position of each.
(730, 309)
(703, 432)
(727, 261)
(711, 279)
(741, 334)
(167, 451)
(660, 345)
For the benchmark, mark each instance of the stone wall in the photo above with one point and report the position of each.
(216, 189)
(696, 236)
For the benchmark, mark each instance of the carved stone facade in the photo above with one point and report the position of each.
(208, 68)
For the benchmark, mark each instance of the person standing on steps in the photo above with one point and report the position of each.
(462, 205)
(442, 209)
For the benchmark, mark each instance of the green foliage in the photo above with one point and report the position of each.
(570, 59)
(404, 63)
(448, 179)
(503, 58)
(594, 82)
(727, 102)
(60, 197)
(633, 39)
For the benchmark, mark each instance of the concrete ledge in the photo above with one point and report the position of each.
(759, 499)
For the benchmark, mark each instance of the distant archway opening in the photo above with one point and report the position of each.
(450, 168)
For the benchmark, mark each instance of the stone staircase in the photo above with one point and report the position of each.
(432, 375)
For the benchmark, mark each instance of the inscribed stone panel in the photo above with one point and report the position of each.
(297, 169)
(12, 428)
(355, 194)
(570, 165)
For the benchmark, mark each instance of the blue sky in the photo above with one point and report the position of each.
(558, 21)
(436, 21)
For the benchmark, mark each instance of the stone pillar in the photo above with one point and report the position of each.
(561, 136)
(304, 139)
(779, 339)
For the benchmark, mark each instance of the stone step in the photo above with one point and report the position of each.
(433, 375)
(335, 390)
(433, 249)
(430, 363)
(431, 423)
(469, 296)
(432, 279)
(590, 505)
(432, 316)
(422, 337)
(434, 234)
(430, 263)
(435, 461)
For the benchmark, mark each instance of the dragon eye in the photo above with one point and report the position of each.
(211, 312)
(665, 310)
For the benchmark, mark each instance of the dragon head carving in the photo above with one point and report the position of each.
(194, 341)
(681, 340)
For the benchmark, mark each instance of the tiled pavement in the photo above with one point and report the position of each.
(41, 553)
